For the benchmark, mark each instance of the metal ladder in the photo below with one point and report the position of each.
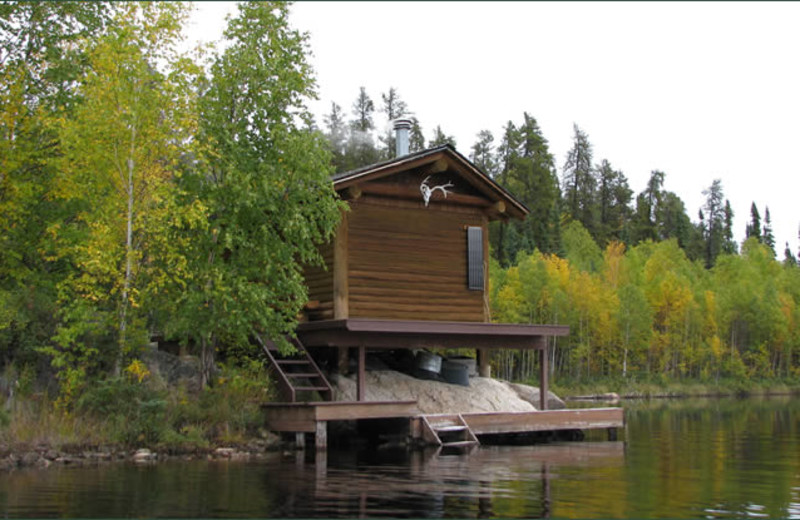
(296, 373)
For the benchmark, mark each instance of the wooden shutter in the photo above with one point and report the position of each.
(475, 258)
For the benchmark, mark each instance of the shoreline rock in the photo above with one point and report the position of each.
(43, 457)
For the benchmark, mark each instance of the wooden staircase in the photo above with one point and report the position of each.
(297, 374)
(448, 431)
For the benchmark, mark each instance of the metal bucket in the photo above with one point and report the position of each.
(429, 362)
(470, 363)
(455, 373)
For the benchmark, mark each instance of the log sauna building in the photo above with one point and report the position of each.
(408, 269)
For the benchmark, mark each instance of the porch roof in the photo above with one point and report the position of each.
(394, 334)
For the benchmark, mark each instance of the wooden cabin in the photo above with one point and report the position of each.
(408, 269)
(414, 244)
(409, 264)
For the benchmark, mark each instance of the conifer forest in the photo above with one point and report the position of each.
(146, 191)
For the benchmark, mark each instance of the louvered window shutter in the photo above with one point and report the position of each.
(475, 258)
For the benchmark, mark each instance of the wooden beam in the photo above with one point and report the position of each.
(341, 291)
(383, 340)
(543, 374)
(412, 193)
(350, 411)
(550, 420)
(361, 381)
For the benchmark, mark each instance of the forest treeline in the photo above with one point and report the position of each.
(148, 191)
(646, 291)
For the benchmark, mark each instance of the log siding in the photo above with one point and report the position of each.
(410, 264)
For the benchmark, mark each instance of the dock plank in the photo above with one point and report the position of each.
(546, 420)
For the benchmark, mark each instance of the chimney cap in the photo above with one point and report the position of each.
(402, 123)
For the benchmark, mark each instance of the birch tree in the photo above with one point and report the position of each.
(121, 149)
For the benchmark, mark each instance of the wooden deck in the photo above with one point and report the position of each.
(313, 417)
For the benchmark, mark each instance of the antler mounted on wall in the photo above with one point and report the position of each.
(427, 191)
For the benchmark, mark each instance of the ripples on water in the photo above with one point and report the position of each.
(696, 459)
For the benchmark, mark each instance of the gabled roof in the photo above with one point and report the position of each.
(454, 161)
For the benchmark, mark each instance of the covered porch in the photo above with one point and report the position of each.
(380, 334)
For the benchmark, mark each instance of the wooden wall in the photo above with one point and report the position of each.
(320, 287)
(409, 262)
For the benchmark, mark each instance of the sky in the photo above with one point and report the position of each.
(698, 90)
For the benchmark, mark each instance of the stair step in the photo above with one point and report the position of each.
(458, 444)
(309, 388)
(453, 428)
(301, 374)
(292, 362)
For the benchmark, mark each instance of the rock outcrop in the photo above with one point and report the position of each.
(483, 395)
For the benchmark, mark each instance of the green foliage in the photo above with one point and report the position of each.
(265, 180)
(650, 313)
(228, 411)
(134, 413)
(525, 166)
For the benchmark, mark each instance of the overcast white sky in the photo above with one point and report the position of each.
(697, 90)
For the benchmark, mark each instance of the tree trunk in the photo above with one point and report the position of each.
(123, 315)
(207, 364)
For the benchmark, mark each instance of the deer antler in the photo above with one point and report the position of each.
(427, 191)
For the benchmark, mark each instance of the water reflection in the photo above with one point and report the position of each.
(688, 459)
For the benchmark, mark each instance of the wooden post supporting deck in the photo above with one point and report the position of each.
(321, 435)
(543, 374)
(341, 286)
(361, 380)
(484, 368)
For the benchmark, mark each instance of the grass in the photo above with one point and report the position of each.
(127, 413)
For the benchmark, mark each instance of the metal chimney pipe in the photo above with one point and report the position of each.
(401, 128)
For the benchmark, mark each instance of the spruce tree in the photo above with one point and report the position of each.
(360, 149)
(336, 133)
(672, 220)
(482, 153)
(788, 258)
(579, 183)
(753, 228)
(648, 207)
(614, 197)
(416, 139)
(363, 109)
(440, 138)
(767, 237)
(527, 168)
(394, 108)
(715, 222)
(728, 243)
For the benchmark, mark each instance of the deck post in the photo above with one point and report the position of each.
(341, 286)
(484, 368)
(361, 380)
(543, 373)
(300, 440)
(321, 435)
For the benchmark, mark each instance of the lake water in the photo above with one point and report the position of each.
(683, 458)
